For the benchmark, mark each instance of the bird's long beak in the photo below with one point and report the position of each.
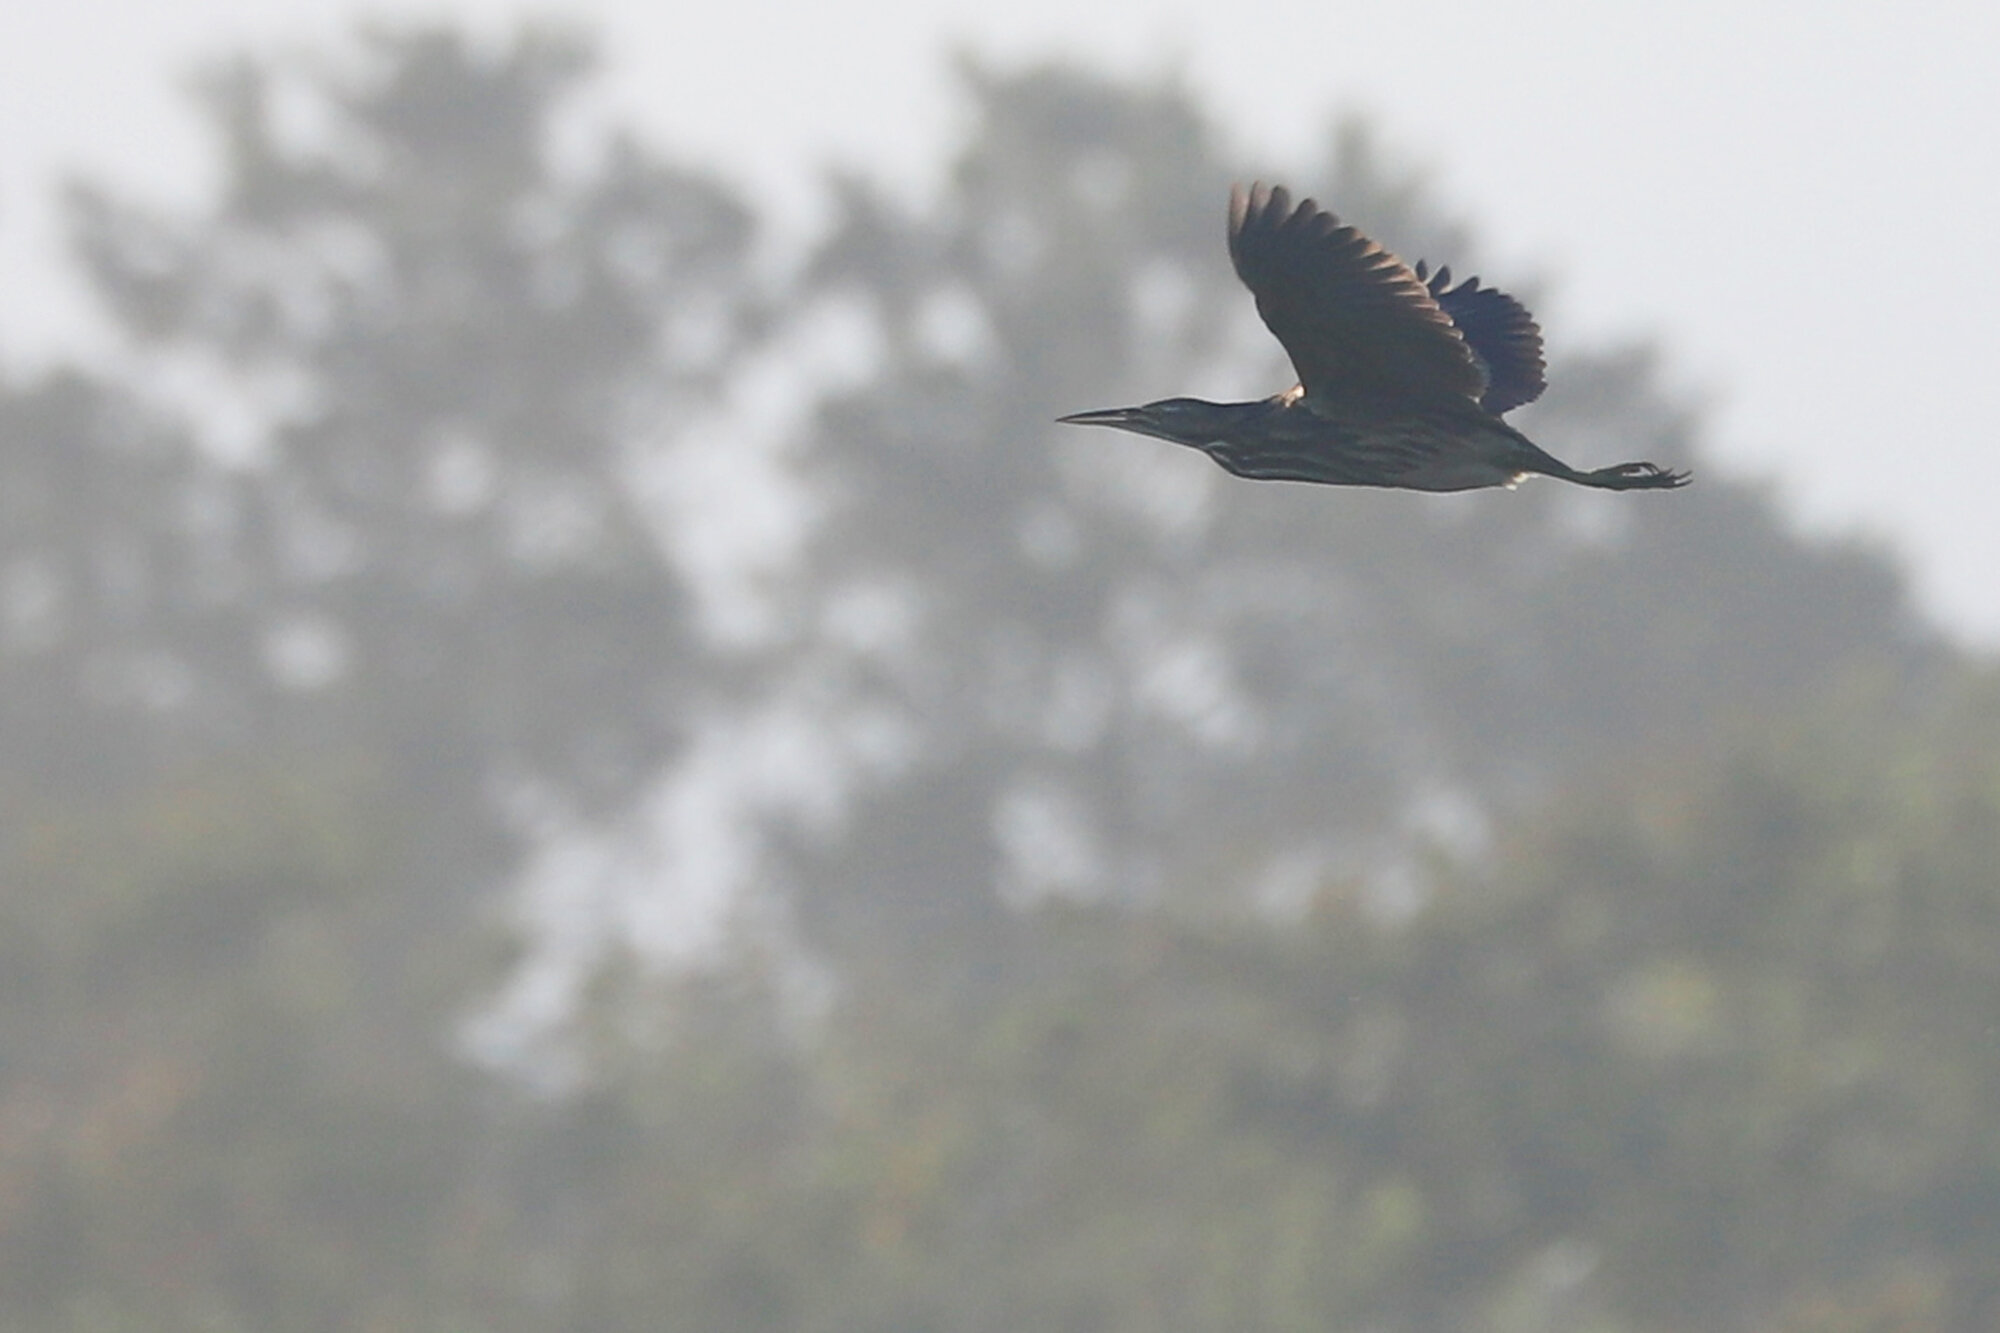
(1105, 416)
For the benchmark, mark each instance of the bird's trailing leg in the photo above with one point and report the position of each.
(1630, 477)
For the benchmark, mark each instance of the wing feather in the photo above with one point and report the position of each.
(1353, 318)
(1502, 334)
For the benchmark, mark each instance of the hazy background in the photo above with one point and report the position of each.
(1799, 207)
(578, 751)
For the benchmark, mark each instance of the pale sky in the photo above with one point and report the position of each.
(1801, 203)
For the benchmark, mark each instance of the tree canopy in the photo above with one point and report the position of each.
(559, 773)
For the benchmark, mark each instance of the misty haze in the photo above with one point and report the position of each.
(564, 773)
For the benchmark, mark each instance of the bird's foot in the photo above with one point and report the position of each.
(1637, 477)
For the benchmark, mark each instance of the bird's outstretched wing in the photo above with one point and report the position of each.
(1500, 332)
(1353, 317)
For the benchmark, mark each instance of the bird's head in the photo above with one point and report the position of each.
(1189, 421)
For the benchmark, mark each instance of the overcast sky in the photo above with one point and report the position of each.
(1801, 202)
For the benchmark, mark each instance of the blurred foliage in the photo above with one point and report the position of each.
(1142, 900)
(1119, 674)
(1712, 1049)
(215, 1111)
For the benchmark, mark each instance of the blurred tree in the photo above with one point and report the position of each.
(1115, 1012)
(93, 701)
(1117, 671)
(1712, 1050)
(445, 352)
(223, 1098)
(1781, 967)
(334, 571)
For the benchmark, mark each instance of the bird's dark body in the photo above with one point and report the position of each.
(1402, 377)
(1435, 447)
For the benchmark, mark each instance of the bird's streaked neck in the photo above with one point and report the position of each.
(1194, 422)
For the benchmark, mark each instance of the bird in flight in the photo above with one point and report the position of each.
(1403, 378)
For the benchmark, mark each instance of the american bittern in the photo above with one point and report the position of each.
(1402, 377)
